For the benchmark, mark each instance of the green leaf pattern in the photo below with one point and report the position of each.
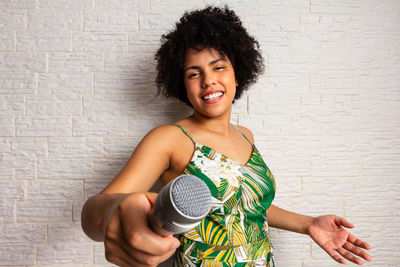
(235, 232)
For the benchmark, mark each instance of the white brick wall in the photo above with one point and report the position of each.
(77, 95)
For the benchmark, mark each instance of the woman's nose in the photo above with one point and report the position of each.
(208, 79)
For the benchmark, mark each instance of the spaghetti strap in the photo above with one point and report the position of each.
(240, 131)
(186, 132)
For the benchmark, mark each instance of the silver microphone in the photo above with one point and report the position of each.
(180, 205)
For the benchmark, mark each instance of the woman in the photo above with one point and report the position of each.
(206, 62)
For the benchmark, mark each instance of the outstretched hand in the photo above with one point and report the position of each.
(328, 232)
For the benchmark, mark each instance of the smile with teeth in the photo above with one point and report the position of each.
(212, 96)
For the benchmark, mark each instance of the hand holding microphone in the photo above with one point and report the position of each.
(180, 205)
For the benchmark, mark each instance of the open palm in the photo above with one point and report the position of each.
(328, 232)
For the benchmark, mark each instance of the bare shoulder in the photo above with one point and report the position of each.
(162, 136)
(246, 132)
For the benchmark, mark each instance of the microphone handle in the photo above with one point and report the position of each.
(156, 225)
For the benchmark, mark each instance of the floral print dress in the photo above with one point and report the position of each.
(235, 232)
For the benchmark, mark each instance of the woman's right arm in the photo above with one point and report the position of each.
(118, 215)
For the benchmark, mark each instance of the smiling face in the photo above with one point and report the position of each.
(210, 82)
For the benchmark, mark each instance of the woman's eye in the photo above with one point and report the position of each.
(220, 68)
(193, 75)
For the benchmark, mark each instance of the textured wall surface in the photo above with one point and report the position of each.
(77, 95)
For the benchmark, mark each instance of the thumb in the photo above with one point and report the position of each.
(343, 222)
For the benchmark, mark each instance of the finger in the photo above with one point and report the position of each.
(358, 242)
(117, 255)
(347, 255)
(335, 256)
(343, 222)
(140, 236)
(357, 251)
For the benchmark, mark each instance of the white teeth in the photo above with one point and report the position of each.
(212, 96)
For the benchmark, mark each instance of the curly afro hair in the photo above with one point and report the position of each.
(211, 27)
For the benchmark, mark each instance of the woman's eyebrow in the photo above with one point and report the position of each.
(209, 64)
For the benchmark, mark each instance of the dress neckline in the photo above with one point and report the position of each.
(254, 149)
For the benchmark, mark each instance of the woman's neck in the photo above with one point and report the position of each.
(221, 124)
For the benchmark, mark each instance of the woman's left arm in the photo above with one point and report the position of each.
(327, 231)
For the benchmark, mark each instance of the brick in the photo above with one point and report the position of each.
(70, 168)
(385, 237)
(17, 3)
(22, 63)
(320, 35)
(121, 83)
(44, 211)
(18, 234)
(63, 236)
(292, 154)
(313, 206)
(288, 187)
(99, 254)
(335, 7)
(98, 41)
(12, 190)
(7, 126)
(55, 190)
(76, 147)
(76, 63)
(19, 157)
(317, 187)
(31, 147)
(7, 211)
(339, 75)
(321, 115)
(12, 105)
(54, 20)
(110, 20)
(66, 4)
(94, 187)
(118, 4)
(17, 255)
(53, 106)
(17, 83)
(43, 126)
(65, 83)
(139, 125)
(370, 35)
(119, 148)
(152, 105)
(129, 63)
(110, 105)
(12, 19)
(99, 126)
(158, 23)
(376, 7)
(283, 105)
(44, 41)
(291, 6)
(289, 245)
(396, 45)
(367, 115)
(340, 156)
(263, 125)
(7, 40)
(381, 79)
(107, 169)
(240, 106)
(144, 41)
(179, 6)
(273, 31)
(288, 74)
(77, 210)
(377, 196)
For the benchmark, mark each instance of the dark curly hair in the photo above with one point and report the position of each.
(211, 27)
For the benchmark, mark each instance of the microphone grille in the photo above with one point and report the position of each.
(191, 196)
